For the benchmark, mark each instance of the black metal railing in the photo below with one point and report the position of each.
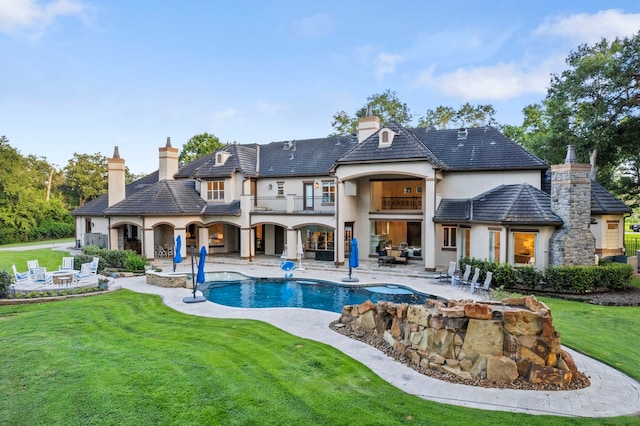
(402, 203)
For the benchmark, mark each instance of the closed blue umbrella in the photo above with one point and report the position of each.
(353, 260)
(177, 257)
(353, 256)
(203, 256)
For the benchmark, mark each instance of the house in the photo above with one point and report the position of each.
(438, 194)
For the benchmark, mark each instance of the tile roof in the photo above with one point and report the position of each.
(97, 206)
(405, 146)
(520, 204)
(242, 159)
(167, 197)
(307, 157)
(603, 202)
(477, 148)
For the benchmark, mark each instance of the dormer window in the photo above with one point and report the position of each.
(462, 133)
(221, 158)
(385, 138)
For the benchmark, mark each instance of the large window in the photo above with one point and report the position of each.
(404, 194)
(328, 192)
(524, 248)
(466, 242)
(449, 240)
(215, 190)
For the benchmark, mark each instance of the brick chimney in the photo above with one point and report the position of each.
(367, 125)
(116, 178)
(572, 244)
(168, 161)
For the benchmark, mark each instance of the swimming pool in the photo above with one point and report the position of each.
(240, 291)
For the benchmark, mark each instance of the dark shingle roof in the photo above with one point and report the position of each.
(603, 202)
(405, 146)
(477, 148)
(223, 209)
(242, 159)
(520, 204)
(167, 197)
(308, 157)
(97, 206)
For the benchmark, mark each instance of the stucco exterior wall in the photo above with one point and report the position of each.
(456, 185)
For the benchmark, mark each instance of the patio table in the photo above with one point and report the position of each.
(64, 277)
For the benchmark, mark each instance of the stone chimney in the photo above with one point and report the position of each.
(573, 244)
(367, 125)
(168, 161)
(116, 178)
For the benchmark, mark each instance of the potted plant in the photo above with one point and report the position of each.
(103, 283)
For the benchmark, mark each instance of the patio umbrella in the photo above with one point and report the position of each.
(177, 258)
(200, 278)
(300, 250)
(203, 256)
(353, 259)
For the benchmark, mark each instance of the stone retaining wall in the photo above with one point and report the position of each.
(499, 341)
(168, 280)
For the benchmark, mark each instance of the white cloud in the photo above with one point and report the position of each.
(590, 28)
(386, 64)
(313, 26)
(33, 19)
(496, 82)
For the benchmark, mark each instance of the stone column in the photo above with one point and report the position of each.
(573, 243)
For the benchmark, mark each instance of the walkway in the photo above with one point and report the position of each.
(611, 393)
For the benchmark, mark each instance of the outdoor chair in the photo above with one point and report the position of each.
(67, 264)
(448, 274)
(84, 274)
(40, 275)
(474, 280)
(32, 265)
(21, 277)
(457, 280)
(485, 286)
(94, 265)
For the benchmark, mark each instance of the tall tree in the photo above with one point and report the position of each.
(445, 117)
(385, 106)
(86, 177)
(199, 146)
(595, 103)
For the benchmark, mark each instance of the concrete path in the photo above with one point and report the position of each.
(611, 393)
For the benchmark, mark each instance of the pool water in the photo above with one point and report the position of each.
(298, 293)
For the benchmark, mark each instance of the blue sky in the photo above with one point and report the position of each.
(85, 75)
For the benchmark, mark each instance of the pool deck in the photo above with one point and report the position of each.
(611, 392)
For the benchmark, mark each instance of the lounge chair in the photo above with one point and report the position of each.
(457, 280)
(474, 281)
(40, 275)
(67, 264)
(21, 277)
(448, 274)
(485, 286)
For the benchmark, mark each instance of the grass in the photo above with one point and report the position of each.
(38, 243)
(47, 258)
(609, 334)
(124, 358)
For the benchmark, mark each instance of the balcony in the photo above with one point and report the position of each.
(402, 203)
(292, 204)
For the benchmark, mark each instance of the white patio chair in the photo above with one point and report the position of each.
(84, 274)
(32, 265)
(40, 276)
(67, 264)
(21, 277)
(94, 265)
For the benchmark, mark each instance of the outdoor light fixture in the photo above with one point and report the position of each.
(317, 185)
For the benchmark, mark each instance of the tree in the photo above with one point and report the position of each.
(199, 146)
(445, 117)
(86, 177)
(385, 106)
(595, 103)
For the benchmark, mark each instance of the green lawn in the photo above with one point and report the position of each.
(125, 358)
(47, 258)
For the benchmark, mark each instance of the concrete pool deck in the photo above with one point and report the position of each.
(611, 392)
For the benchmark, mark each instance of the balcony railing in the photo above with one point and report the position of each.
(292, 204)
(402, 203)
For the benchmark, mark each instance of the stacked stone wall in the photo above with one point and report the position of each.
(573, 243)
(499, 341)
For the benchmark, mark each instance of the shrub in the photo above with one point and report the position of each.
(133, 262)
(5, 283)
